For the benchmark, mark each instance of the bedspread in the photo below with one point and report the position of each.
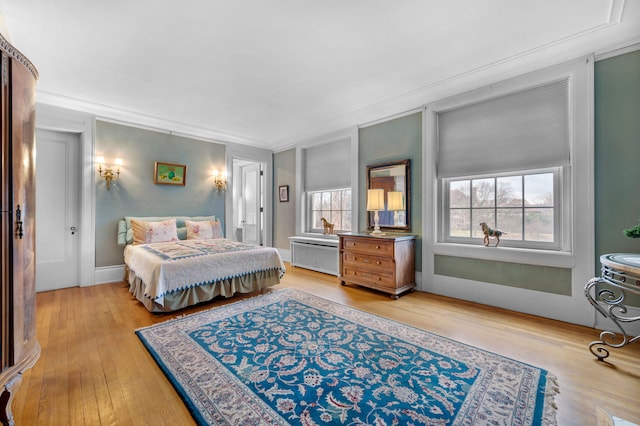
(174, 266)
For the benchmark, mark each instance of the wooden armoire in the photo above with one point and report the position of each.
(19, 347)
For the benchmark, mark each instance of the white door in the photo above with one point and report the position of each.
(251, 204)
(58, 208)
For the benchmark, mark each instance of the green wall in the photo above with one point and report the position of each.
(284, 213)
(617, 179)
(542, 278)
(396, 139)
(617, 156)
(135, 194)
(617, 153)
(533, 277)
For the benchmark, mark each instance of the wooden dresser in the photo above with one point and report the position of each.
(385, 263)
(19, 348)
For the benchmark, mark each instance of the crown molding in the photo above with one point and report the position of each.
(614, 33)
(609, 36)
(136, 119)
(618, 51)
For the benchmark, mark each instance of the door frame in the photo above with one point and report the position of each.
(244, 152)
(260, 198)
(59, 269)
(53, 118)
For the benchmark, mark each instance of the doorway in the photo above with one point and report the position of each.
(58, 212)
(248, 201)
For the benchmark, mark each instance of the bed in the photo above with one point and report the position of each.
(175, 262)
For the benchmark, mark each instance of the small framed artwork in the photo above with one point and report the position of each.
(170, 174)
(284, 193)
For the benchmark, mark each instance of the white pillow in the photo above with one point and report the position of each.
(154, 232)
(199, 230)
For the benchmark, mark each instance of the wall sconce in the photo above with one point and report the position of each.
(220, 180)
(107, 173)
(395, 203)
(375, 203)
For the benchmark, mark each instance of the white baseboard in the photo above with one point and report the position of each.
(285, 254)
(555, 306)
(108, 274)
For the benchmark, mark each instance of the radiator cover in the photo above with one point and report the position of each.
(315, 254)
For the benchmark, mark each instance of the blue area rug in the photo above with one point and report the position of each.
(293, 358)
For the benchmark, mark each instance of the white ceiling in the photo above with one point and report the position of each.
(271, 73)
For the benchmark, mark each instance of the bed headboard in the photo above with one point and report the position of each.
(125, 233)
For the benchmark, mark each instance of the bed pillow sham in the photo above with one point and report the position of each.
(199, 230)
(154, 232)
(125, 229)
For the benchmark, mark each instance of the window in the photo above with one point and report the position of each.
(326, 173)
(500, 158)
(525, 207)
(334, 206)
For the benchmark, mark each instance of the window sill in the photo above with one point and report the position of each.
(559, 259)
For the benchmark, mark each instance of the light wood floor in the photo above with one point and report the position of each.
(94, 370)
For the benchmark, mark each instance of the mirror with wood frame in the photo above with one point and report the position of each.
(394, 178)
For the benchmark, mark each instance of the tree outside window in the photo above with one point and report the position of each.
(522, 206)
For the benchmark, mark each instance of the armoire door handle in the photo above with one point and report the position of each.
(19, 230)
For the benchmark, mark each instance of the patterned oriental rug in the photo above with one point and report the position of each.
(292, 358)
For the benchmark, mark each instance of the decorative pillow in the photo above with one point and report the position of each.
(217, 229)
(199, 230)
(125, 228)
(154, 232)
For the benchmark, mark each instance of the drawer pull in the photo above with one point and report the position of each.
(355, 273)
(379, 278)
(378, 262)
(377, 247)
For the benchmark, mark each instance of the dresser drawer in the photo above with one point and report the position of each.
(379, 279)
(378, 247)
(364, 261)
(385, 263)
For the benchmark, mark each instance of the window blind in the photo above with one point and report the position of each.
(327, 166)
(520, 131)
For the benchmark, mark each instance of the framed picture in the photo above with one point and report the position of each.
(169, 174)
(284, 192)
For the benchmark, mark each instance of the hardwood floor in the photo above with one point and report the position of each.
(94, 370)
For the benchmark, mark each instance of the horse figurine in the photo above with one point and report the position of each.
(488, 232)
(328, 227)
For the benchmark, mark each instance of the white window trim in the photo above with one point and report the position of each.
(320, 231)
(350, 133)
(560, 199)
(503, 254)
(578, 214)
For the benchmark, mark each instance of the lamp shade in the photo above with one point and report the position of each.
(395, 201)
(375, 199)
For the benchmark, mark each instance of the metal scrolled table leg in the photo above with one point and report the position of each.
(611, 306)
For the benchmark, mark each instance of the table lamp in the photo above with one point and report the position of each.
(375, 203)
(395, 203)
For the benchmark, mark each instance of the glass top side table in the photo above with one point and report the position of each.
(620, 274)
